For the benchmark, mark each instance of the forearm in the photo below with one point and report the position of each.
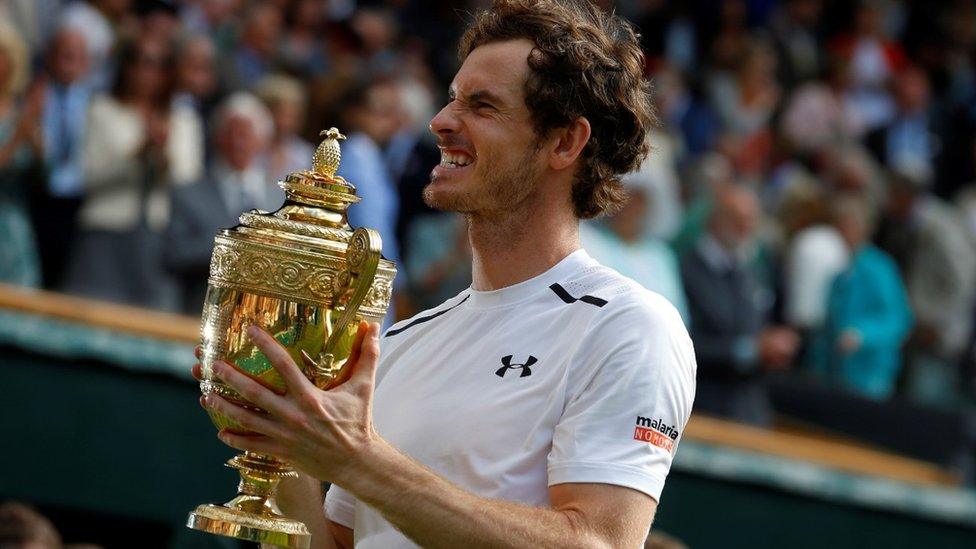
(435, 513)
(301, 499)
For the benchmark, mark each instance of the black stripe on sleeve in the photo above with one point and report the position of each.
(564, 295)
(423, 319)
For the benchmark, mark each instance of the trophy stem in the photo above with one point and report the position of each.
(253, 514)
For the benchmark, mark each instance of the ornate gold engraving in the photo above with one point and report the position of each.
(307, 278)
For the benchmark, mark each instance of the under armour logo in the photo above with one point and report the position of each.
(507, 361)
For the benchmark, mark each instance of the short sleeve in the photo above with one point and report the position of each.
(340, 506)
(629, 395)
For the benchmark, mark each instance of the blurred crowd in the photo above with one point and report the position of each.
(809, 205)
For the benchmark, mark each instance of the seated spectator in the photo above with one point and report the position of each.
(623, 243)
(24, 528)
(728, 308)
(236, 181)
(138, 145)
(67, 93)
(868, 317)
(20, 146)
(285, 98)
(21, 527)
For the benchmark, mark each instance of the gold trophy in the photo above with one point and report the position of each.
(306, 277)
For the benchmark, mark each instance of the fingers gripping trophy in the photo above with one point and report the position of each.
(305, 277)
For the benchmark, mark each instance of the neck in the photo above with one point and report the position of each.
(511, 247)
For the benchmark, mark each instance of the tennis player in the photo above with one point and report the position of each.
(542, 406)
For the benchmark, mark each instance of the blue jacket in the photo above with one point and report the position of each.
(870, 298)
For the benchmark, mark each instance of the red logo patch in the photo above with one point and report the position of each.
(653, 437)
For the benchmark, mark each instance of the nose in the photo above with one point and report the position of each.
(445, 121)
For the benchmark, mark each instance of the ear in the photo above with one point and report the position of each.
(569, 144)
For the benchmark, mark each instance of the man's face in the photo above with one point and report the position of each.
(69, 57)
(196, 69)
(381, 116)
(239, 143)
(489, 154)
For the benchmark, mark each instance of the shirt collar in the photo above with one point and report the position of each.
(515, 293)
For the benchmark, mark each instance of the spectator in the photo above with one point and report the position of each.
(907, 142)
(21, 144)
(817, 114)
(868, 317)
(302, 50)
(67, 93)
(196, 73)
(815, 255)
(872, 58)
(439, 265)
(236, 181)
(624, 243)
(99, 20)
(138, 145)
(938, 259)
(372, 117)
(23, 527)
(729, 308)
(285, 98)
(254, 57)
(795, 30)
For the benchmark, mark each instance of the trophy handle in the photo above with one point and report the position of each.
(362, 260)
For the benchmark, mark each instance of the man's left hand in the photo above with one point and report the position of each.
(319, 432)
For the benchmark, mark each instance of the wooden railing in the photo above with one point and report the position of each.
(795, 443)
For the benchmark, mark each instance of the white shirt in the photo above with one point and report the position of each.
(561, 378)
(816, 256)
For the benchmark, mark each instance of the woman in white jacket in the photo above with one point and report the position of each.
(138, 145)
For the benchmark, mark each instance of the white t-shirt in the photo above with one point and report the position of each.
(576, 375)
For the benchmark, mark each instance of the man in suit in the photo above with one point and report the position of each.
(236, 181)
(729, 308)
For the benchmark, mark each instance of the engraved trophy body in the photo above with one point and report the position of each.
(307, 278)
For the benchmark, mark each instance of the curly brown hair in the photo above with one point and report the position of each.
(585, 63)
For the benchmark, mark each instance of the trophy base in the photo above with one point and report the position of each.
(224, 521)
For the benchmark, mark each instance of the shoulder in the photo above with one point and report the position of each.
(625, 309)
(422, 317)
(637, 335)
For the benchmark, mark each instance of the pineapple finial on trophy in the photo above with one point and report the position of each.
(326, 159)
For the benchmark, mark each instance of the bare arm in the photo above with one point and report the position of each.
(301, 498)
(435, 513)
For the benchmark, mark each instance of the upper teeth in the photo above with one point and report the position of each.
(454, 159)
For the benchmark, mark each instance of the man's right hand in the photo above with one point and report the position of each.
(777, 347)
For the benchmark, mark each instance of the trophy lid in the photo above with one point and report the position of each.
(316, 199)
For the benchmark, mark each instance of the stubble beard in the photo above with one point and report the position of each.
(492, 193)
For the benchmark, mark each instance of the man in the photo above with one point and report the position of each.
(236, 181)
(66, 97)
(729, 307)
(506, 416)
(373, 116)
(937, 258)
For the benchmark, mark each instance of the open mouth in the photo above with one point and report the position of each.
(455, 159)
